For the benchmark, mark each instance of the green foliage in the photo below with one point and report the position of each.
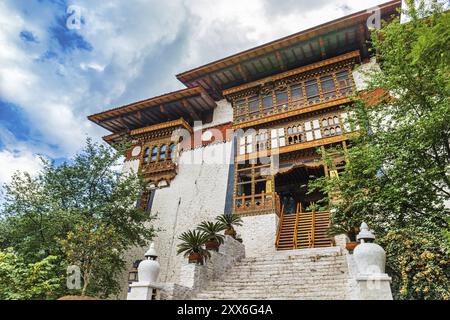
(193, 241)
(96, 249)
(20, 280)
(212, 229)
(229, 220)
(422, 267)
(397, 174)
(64, 210)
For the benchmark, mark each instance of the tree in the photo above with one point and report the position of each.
(397, 174)
(83, 211)
(20, 280)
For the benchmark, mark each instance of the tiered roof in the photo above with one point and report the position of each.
(207, 83)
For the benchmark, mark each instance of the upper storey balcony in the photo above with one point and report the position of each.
(307, 89)
(297, 95)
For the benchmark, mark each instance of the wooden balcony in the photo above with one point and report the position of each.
(302, 96)
(157, 171)
(256, 204)
(295, 137)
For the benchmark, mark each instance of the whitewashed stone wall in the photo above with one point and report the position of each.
(259, 234)
(196, 194)
(223, 113)
(360, 73)
(194, 278)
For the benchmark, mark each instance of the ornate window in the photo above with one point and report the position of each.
(240, 107)
(328, 87)
(344, 83)
(154, 154)
(146, 155)
(253, 191)
(253, 105)
(282, 97)
(312, 90)
(249, 143)
(312, 130)
(277, 138)
(267, 102)
(298, 93)
(162, 152)
(171, 148)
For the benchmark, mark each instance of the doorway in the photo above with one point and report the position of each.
(292, 187)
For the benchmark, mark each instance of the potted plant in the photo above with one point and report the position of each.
(351, 234)
(342, 223)
(212, 229)
(192, 246)
(229, 221)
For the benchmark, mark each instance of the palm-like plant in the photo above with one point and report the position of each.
(192, 246)
(229, 221)
(212, 229)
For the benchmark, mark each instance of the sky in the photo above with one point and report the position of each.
(61, 60)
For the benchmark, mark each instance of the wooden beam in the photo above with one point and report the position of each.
(361, 38)
(311, 48)
(323, 52)
(294, 54)
(163, 110)
(280, 60)
(190, 110)
(212, 83)
(243, 72)
(303, 51)
(122, 122)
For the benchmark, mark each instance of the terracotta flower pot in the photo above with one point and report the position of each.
(350, 246)
(195, 258)
(230, 232)
(212, 245)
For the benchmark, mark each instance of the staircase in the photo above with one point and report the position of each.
(303, 230)
(289, 275)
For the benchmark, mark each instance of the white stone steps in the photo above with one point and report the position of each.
(318, 273)
(300, 263)
(324, 290)
(287, 271)
(282, 279)
(279, 286)
(312, 296)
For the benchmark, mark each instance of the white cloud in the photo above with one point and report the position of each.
(16, 156)
(24, 161)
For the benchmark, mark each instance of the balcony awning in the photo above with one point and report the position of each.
(190, 104)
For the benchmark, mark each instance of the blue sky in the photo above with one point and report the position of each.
(52, 76)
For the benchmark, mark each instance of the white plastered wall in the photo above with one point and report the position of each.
(197, 193)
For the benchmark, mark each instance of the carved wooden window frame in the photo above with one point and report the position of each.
(342, 87)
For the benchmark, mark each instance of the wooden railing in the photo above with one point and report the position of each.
(304, 230)
(278, 206)
(280, 226)
(154, 167)
(312, 230)
(297, 214)
(255, 202)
